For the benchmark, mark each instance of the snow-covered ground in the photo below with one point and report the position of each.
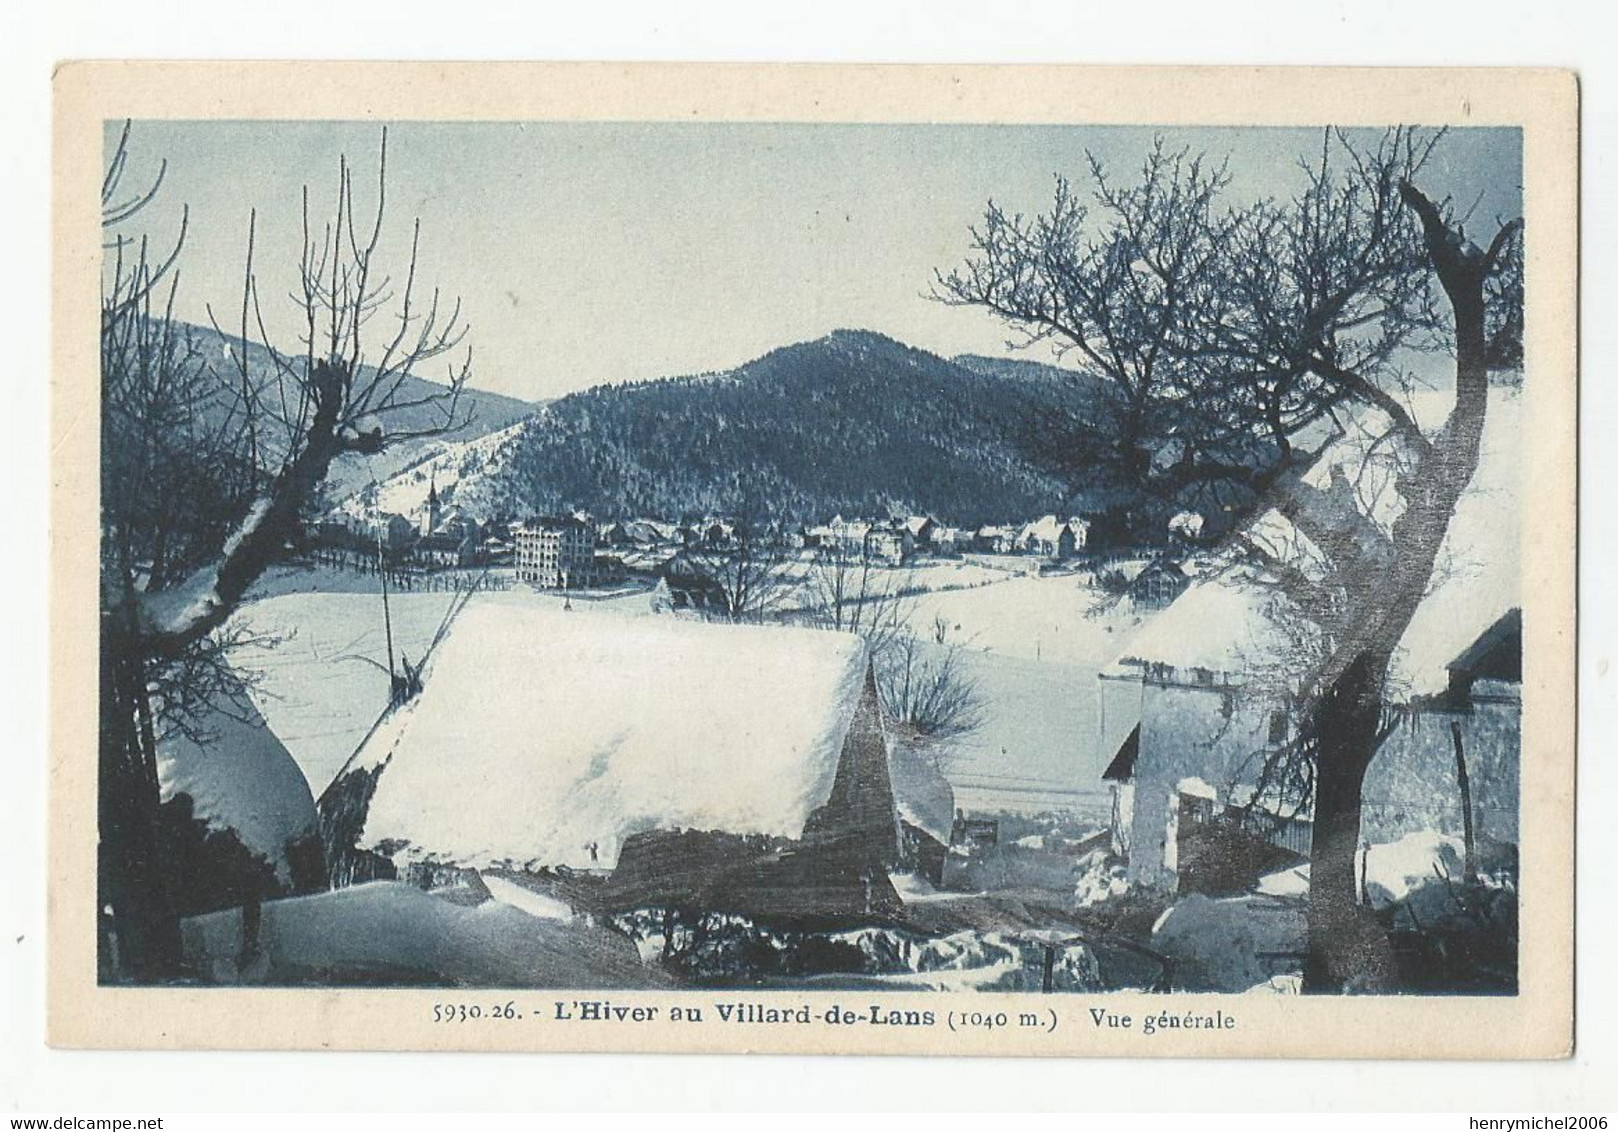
(1231, 944)
(391, 932)
(1395, 870)
(526, 899)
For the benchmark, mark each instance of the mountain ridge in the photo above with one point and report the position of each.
(854, 422)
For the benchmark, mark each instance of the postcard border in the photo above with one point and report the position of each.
(1537, 1023)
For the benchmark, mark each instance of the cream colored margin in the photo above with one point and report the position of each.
(1538, 1023)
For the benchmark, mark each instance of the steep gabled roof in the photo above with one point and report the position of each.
(541, 732)
(1496, 654)
(1046, 528)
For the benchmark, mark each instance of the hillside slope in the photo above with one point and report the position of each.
(490, 412)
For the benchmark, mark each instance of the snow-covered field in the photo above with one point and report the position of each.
(912, 579)
(1060, 619)
(1035, 647)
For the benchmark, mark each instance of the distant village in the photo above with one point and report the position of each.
(578, 552)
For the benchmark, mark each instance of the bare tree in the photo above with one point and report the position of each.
(848, 590)
(927, 690)
(1128, 283)
(1235, 338)
(749, 563)
(209, 476)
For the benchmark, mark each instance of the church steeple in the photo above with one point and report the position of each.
(429, 523)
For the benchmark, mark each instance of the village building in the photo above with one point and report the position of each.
(610, 569)
(644, 532)
(745, 767)
(921, 529)
(446, 548)
(432, 513)
(446, 537)
(556, 552)
(950, 540)
(860, 539)
(395, 532)
(1199, 701)
(889, 545)
(494, 551)
(1186, 526)
(991, 539)
(1157, 585)
(718, 532)
(1051, 537)
(819, 535)
(681, 590)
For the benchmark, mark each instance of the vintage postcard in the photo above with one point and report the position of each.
(941, 560)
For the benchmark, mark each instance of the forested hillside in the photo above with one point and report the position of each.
(854, 423)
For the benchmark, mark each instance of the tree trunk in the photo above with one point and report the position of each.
(1464, 782)
(133, 873)
(1345, 941)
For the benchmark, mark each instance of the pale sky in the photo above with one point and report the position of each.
(600, 253)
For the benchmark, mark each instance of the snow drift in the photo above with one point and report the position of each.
(387, 932)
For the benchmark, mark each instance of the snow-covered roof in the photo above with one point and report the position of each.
(1222, 624)
(541, 732)
(1049, 528)
(1227, 622)
(241, 778)
(1046, 528)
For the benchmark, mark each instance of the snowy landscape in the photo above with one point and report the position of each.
(1172, 645)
